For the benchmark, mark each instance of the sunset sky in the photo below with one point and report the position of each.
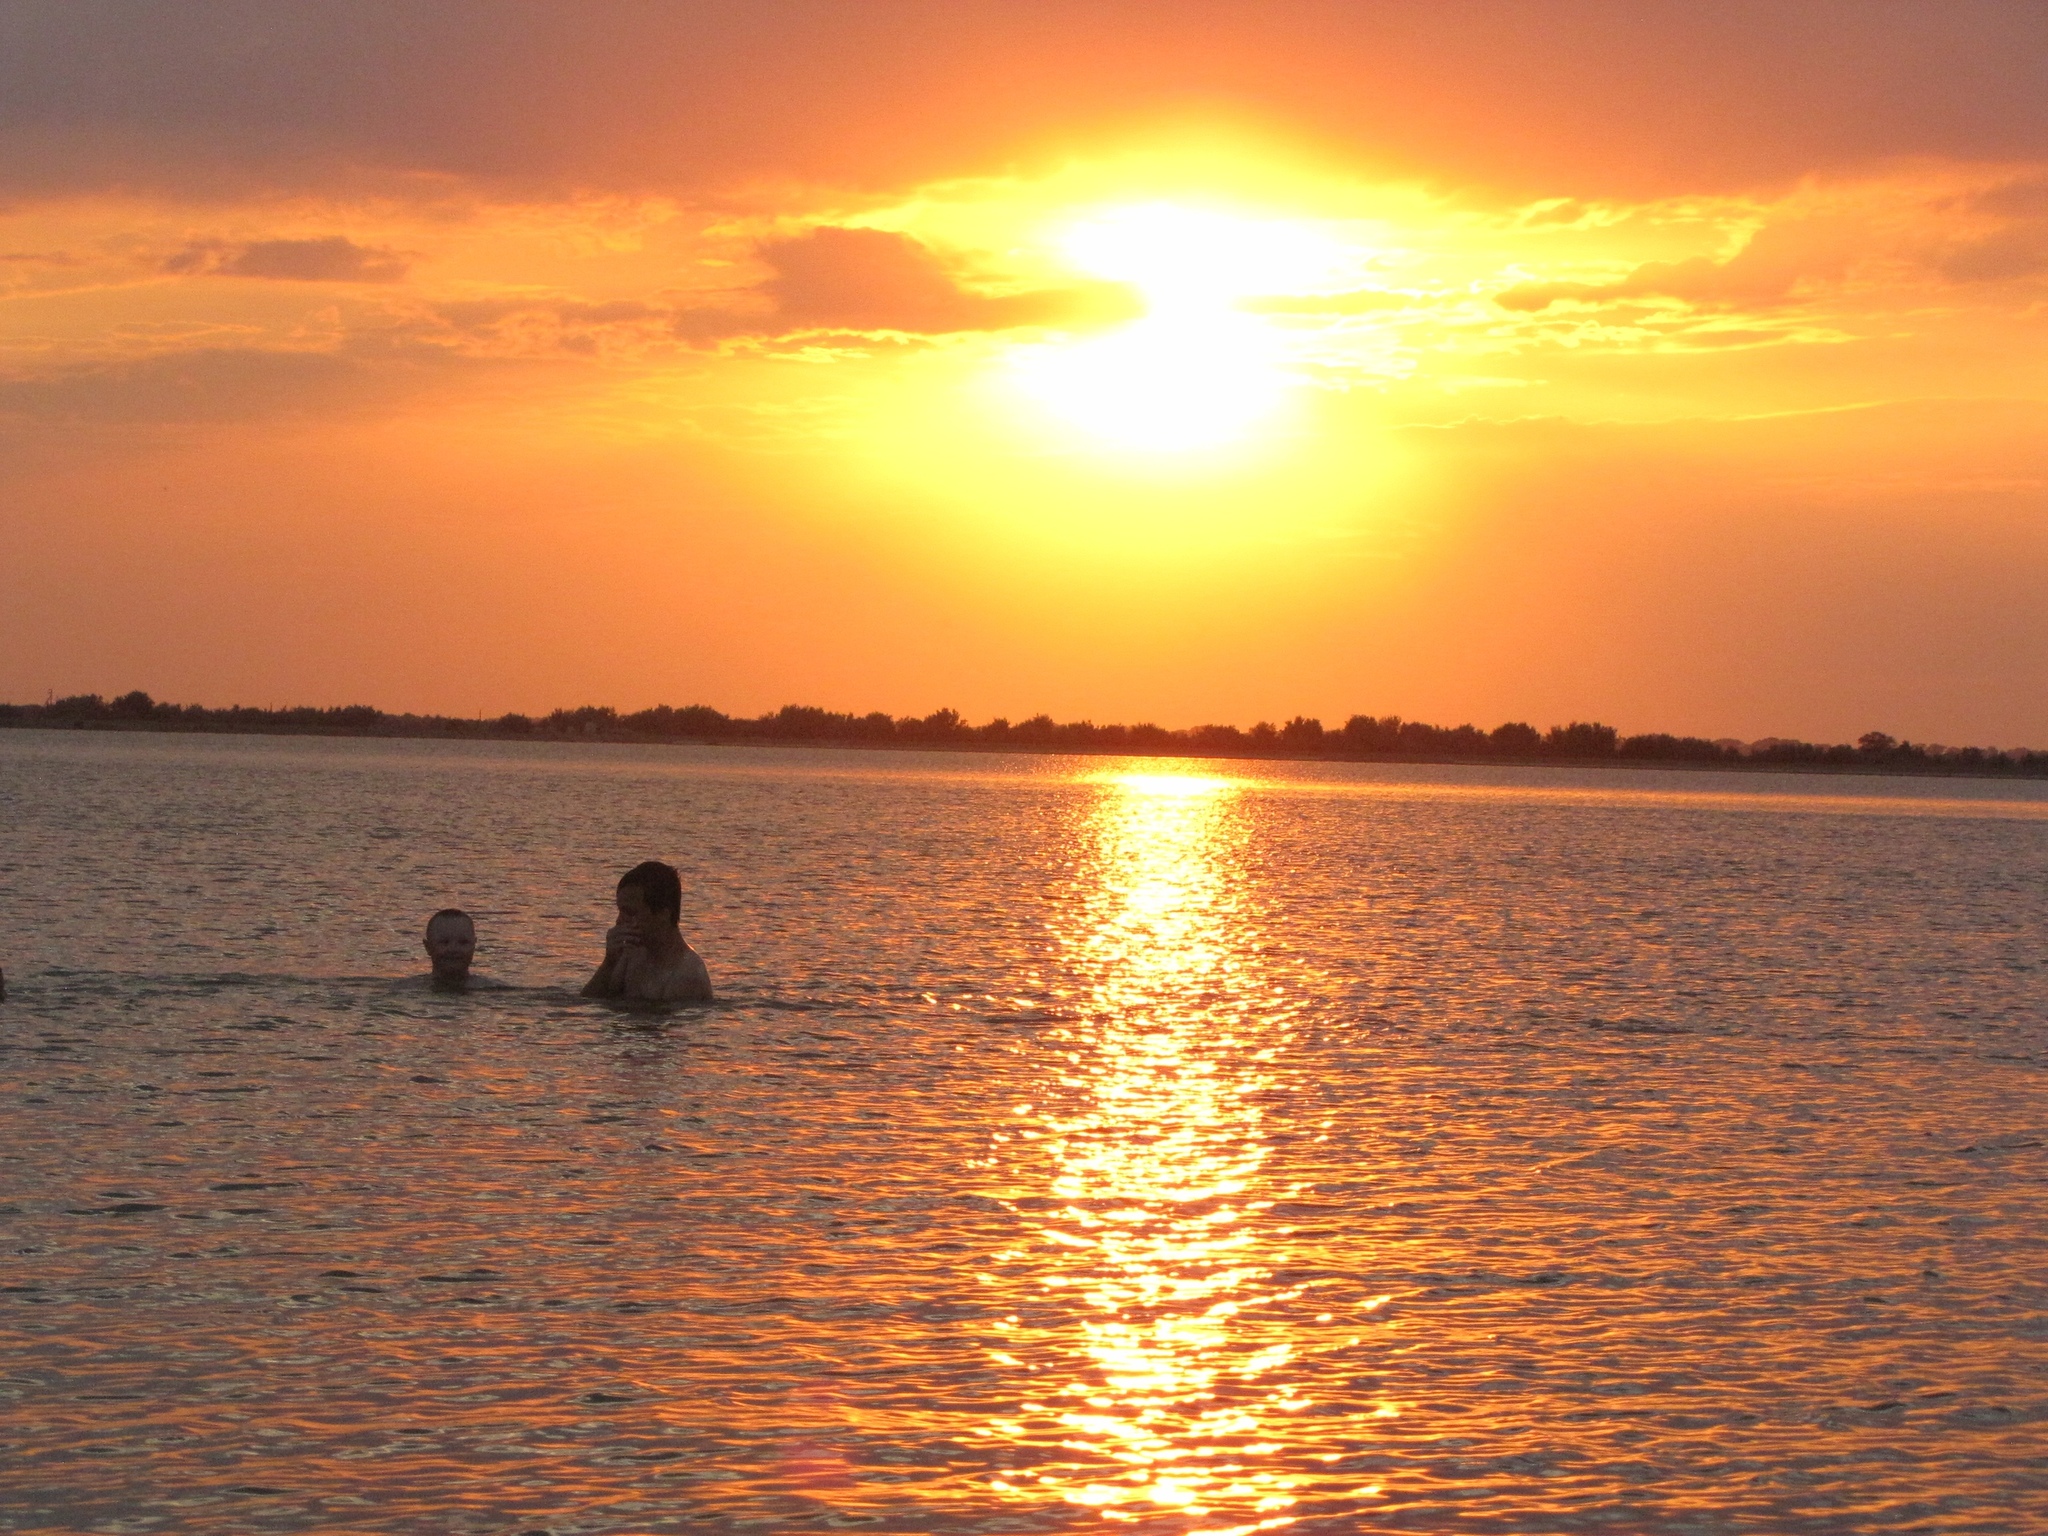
(1679, 366)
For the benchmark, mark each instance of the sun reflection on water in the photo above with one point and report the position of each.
(1152, 1331)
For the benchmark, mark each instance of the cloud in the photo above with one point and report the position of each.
(1580, 97)
(831, 285)
(2018, 247)
(835, 278)
(871, 279)
(2020, 250)
(1776, 262)
(481, 316)
(538, 326)
(223, 384)
(330, 259)
(1903, 230)
(2024, 199)
(1568, 213)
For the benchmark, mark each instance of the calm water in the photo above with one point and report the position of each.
(1078, 1145)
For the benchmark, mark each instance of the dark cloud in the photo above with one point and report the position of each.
(861, 281)
(833, 278)
(532, 326)
(2026, 199)
(708, 325)
(1628, 98)
(332, 259)
(610, 312)
(846, 284)
(2021, 250)
(482, 315)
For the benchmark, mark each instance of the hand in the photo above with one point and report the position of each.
(614, 942)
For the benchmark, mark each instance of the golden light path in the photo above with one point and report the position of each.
(1156, 1353)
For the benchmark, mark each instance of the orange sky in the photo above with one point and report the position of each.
(1676, 366)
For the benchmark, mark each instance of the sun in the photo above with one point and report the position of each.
(1197, 259)
(1195, 371)
(1162, 384)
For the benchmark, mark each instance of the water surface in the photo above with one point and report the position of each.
(1078, 1145)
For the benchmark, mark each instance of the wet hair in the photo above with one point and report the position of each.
(659, 885)
(449, 914)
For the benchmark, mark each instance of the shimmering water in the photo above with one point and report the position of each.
(1077, 1145)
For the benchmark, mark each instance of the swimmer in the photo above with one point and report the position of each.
(451, 948)
(646, 958)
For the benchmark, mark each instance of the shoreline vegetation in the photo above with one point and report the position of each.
(1362, 738)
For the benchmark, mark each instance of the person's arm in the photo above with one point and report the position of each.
(605, 981)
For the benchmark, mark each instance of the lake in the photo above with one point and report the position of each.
(1078, 1144)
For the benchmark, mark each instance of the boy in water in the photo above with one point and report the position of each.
(646, 958)
(451, 948)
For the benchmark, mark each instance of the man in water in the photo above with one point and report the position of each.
(646, 958)
(451, 948)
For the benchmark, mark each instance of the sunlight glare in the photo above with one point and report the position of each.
(1184, 259)
(1163, 1375)
(1163, 384)
(1195, 371)
(1177, 784)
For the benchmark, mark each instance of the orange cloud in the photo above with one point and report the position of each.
(834, 278)
(874, 280)
(1778, 260)
(2016, 245)
(332, 259)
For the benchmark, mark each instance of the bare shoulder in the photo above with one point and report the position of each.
(683, 979)
(692, 978)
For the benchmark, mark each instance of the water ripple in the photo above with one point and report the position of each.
(1076, 1146)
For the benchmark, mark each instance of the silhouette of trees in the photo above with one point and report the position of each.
(1659, 747)
(940, 727)
(1301, 734)
(1363, 733)
(587, 721)
(1360, 737)
(1580, 739)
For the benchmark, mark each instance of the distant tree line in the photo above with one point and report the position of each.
(1362, 737)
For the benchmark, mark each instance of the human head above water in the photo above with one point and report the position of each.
(660, 887)
(451, 942)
